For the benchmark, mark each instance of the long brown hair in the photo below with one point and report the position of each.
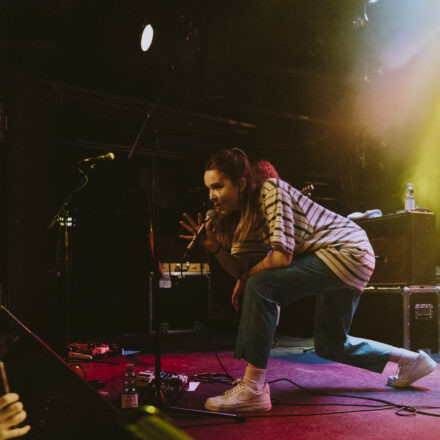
(234, 164)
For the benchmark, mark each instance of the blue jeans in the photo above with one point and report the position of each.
(336, 303)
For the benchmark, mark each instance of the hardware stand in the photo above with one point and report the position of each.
(158, 395)
(66, 221)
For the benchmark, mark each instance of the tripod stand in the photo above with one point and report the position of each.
(158, 395)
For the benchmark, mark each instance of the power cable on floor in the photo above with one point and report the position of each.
(401, 410)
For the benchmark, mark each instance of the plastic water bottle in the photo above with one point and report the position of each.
(409, 198)
(129, 395)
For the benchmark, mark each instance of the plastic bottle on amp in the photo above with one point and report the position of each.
(410, 203)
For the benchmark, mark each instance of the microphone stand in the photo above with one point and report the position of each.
(159, 399)
(66, 221)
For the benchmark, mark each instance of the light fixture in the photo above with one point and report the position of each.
(147, 34)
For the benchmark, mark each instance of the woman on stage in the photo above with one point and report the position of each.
(282, 246)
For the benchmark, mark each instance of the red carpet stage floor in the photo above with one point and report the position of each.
(296, 413)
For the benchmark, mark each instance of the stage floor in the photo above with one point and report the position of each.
(297, 413)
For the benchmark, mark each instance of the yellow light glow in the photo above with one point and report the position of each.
(426, 174)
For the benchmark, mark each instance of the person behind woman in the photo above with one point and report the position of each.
(284, 247)
(263, 170)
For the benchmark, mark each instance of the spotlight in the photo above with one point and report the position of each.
(146, 36)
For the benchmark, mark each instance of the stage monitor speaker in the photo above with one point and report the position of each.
(59, 403)
(404, 246)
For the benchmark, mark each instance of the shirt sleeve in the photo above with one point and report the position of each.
(276, 205)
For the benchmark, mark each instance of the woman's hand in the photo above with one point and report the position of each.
(238, 291)
(11, 415)
(206, 239)
(274, 260)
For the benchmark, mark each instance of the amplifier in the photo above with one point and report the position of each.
(183, 269)
(183, 299)
(404, 246)
(405, 317)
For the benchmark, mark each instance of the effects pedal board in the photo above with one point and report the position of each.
(144, 378)
(92, 350)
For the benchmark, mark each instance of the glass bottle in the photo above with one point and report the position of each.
(129, 395)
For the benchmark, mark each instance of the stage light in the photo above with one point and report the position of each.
(146, 37)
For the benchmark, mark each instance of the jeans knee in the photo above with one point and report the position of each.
(256, 287)
(258, 298)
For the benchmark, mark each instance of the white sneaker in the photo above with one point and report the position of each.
(412, 370)
(241, 398)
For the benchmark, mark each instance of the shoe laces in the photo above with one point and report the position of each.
(239, 385)
(401, 369)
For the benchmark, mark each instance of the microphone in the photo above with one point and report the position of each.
(211, 214)
(108, 156)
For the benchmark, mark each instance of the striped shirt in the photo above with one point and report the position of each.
(292, 223)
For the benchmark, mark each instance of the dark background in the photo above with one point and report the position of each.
(276, 78)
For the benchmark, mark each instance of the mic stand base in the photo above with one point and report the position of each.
(160, 401)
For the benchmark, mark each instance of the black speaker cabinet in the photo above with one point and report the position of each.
(59, 403)
(183, 302)
(404, 246)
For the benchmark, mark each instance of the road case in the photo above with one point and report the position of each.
(403, 316)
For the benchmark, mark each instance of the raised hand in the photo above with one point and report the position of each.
(207, 239)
